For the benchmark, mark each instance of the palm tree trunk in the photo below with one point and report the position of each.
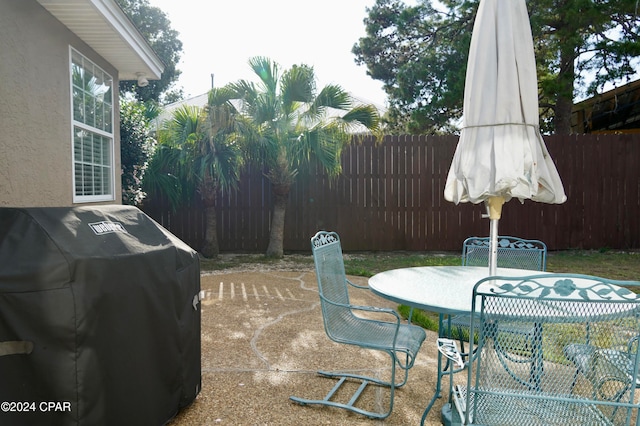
(210, 249)
(276, 236)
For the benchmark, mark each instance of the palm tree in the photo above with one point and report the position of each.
(197, 150)
(285, 123)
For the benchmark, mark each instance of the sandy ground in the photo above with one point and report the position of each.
(263, 341)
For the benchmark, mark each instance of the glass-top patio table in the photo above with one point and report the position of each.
(446, 290)
(442, 289)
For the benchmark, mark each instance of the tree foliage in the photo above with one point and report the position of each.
(135, 148)
(155, 27)
(139, 105)
(197, 153)
(420, 52)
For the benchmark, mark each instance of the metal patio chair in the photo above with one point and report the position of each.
(570, 312)
(587, 358)
(513, 252)
(400, 341)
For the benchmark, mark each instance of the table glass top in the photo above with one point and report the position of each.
(443, 289)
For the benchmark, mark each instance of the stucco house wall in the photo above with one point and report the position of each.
(35, 110)
(36, 147)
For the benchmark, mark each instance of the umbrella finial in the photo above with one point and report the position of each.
(495, 207)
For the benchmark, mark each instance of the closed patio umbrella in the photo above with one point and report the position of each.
(501, 154)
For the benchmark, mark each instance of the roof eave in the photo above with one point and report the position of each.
(106, 29)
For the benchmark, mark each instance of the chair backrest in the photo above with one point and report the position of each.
(513, 252)
(541, 378)
(332, 281)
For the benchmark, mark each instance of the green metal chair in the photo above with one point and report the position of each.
(400, 341)
(513, 252)
(570, 312)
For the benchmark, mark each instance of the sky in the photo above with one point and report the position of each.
(219, 37)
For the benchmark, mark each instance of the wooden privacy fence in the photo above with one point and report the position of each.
(390, 197)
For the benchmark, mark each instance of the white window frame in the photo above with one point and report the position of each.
(105, 133)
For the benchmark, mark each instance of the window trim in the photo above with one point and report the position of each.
(111, 196)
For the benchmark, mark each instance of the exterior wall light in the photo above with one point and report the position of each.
(142, 80)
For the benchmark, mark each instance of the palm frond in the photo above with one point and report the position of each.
(297, 85)
(184, 124)
(162, 175)
(243, 90)
(331, 97)
(334, 96)
(224, 166)
(220, 95)
(365, 115)
(267, 72)
(265, 109)
(326, 143)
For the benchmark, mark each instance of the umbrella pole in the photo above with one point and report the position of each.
(495, 212)
(493, 245)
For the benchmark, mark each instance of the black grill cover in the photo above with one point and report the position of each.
(98, 312)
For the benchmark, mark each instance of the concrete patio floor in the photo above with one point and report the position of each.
(263, 341)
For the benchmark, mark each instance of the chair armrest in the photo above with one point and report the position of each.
(632, 345)
(377, 310)
(374, 309)
(621, 362)
(357, 285)
(449, 349)
(613, 374)
(365, 308)
(602, 367)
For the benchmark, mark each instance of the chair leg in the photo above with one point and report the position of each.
(461, 340)
(364, 382)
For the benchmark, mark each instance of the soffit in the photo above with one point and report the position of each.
(107, 30)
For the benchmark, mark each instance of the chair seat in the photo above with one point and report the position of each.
(580, 354)
(461, 321)
(585, 356)
(464, 321)
(541, 409)
(377, 334)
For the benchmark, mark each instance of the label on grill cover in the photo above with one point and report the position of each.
(100, 228)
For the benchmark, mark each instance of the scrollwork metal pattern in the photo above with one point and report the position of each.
(557, 286)
(506, 243)
(324, 238)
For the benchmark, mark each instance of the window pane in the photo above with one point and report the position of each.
(77, 146)
(97, 150)
(87, 181)
(78, 181)
(108, 118)
(106, 180)
(106, 152)
(87, 154)
(97, 180)
(99, 116)
(107, 95)
(78, 105)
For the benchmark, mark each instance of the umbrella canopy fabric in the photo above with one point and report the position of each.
(501, 152)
